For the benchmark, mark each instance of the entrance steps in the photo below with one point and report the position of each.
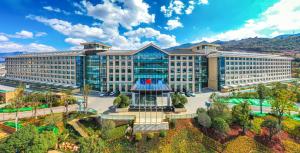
(147, 127)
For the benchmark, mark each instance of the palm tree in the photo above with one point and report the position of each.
(17, 101)
(86, 92)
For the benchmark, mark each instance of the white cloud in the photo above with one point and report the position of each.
(175, 6)
(78, 12)
(66, 28)
(205, 2)
(74, 41)
(190, 8)
(282, 17)
(32, 47)
(3, 38)
(40, 34)
(131, 12)
(23, 34)
(173, 24)
(162, 40)
(57, 10)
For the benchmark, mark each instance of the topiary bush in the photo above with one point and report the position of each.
(150, 135)
(204, 120)
(138, 136)
(172, 123)
(162, 133)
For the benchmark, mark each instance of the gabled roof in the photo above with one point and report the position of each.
(153, 45)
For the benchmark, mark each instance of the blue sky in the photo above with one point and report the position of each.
(47, 25)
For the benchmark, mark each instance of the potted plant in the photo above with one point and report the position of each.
(121, 103)
(178, 102)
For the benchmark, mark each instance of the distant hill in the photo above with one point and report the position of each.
(277, 44)
(2, 55)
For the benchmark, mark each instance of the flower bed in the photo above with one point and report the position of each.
(244, 144)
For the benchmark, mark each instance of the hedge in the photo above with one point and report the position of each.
(256, 125)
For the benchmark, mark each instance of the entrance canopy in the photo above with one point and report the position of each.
(149, 85)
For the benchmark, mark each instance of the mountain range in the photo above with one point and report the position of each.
(281, 43)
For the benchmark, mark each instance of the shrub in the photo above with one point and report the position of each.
(172, 123)
(162, 133)
(220, 110)
(150, 135)
(204, 120)
(138, 136)
(290, 146)
(291, 126)
(256, 125)
(107, 125)
(122, 101)
(114, 133)
(272, 126)
(220, 125)
(91, 144)
(200, 110)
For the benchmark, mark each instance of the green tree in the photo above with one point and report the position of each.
(220, 110)
(220, 125)
(50, 99)
(91, 145)
(20, 140)
(178, 100)
(67, 99)
(241, 115)
(18, 101)
(272, 126)
(263, 93)
(86, 92)
(122, 101)
(283, 102)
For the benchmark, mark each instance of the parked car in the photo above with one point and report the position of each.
(112, 93)
(103, 94)
(190, 94)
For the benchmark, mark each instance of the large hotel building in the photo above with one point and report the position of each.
(149, 69)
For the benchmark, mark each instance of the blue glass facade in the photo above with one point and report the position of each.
(151, 65)
(92, 76)
(103, 73)
(221, 72)
(150, 77)
(79, 71)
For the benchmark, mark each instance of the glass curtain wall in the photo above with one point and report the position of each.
(79, 71)
(102, 73)
(150, 73)
(221, 72)
(92, 63)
